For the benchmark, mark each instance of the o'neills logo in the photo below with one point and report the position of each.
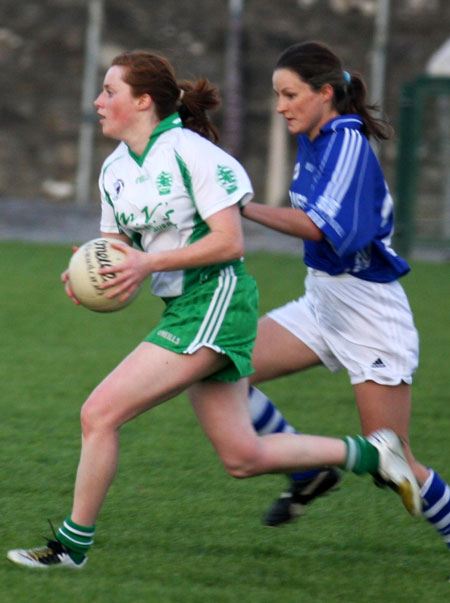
(169, 336)
(96, 260)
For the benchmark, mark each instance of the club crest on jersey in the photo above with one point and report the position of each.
(164, 183)
(118, 188)
(226, 178)
(143, 178)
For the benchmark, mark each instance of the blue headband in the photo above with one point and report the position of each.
(347, 77)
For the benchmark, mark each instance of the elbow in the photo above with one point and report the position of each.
(236, 251)
(315, 234)
(233, 248)
(305, 227)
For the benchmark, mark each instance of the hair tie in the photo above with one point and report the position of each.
(347, 77)
(180, 98)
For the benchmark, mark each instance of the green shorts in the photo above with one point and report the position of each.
(221, 313)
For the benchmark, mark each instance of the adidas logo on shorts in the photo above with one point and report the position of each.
(378, 364)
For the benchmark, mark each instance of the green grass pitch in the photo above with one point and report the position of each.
(175, 527)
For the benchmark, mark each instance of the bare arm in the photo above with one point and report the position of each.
(291, 221)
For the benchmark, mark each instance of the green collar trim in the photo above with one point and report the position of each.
(168, 123)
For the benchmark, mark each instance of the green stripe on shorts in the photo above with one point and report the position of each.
(220, 313)
(216, 312)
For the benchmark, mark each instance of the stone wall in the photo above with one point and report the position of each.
(42, 52)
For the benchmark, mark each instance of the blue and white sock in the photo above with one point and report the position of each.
(266, 418)
(436, 504)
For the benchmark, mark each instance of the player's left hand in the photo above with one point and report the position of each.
(129, 274)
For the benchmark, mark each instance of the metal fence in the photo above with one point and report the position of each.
(423, 166)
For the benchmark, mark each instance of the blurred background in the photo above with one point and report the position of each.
(53, 55)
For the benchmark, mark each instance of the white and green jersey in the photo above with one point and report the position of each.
(162, 198)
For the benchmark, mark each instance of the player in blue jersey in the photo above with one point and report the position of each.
(354, 314)
(168, 188)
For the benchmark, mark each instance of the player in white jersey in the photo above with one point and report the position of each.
(354, 314)
(172, 192)
(163, 200)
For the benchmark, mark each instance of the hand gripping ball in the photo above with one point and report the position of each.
(85, 280)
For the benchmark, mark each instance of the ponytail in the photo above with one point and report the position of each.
(353, 99)
(196, 98)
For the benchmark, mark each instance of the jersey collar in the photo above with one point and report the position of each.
(354, 122)
(168, 123)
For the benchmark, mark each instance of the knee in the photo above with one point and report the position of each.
(87, 418)
(242, 463)
(92, 416)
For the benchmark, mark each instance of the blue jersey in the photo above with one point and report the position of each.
(339, 184)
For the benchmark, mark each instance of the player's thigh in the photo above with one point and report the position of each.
(147, 377)
(278, 352)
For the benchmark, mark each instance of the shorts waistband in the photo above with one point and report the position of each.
(320, 273)
(315, 272)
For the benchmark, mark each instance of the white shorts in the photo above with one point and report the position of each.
(364, 327)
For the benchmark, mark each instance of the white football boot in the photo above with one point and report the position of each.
(54, 554)
(394, 469)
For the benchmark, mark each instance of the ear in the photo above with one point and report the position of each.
(327, 92)
(144, 102)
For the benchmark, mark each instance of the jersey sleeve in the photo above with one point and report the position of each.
(218, 180)
(343, 200)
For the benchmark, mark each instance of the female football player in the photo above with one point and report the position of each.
(354, 313)
(174, 194)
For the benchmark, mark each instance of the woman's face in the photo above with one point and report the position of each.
(116, 106)
(305, 110)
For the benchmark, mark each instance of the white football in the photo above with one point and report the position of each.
(85, 280)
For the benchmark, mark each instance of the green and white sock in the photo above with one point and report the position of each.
(362, 456)
(78, 539)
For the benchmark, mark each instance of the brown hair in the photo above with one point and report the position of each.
(317, 65)
(149, 73)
